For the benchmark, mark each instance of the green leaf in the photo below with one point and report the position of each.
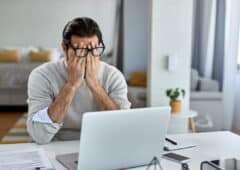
(173, 94)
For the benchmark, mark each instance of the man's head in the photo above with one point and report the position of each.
(80, 36)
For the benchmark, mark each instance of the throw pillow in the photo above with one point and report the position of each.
(138, 79)
(40, 56)
(9, 56)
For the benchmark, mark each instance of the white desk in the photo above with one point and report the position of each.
(209, 146)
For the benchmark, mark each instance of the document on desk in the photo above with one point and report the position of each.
(180, 144)
(29, 159)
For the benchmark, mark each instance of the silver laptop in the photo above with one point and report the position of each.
(119, 139)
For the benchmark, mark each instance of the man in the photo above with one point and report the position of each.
(60, 92)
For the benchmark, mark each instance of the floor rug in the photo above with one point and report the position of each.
(18, 133)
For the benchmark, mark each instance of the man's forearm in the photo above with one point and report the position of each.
(58, 109)
(103, 99)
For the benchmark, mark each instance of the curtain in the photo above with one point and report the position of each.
(120, 48)
(118, 36)
(208, 39)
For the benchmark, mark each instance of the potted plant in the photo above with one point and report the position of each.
(175, 102)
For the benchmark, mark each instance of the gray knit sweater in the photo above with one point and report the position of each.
(44, 84)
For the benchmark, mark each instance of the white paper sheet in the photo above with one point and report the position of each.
(26, 159)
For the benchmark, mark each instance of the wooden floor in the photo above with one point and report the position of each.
(7, 120)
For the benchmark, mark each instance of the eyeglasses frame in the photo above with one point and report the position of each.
(89, 50)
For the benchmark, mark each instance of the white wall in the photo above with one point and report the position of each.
(135, 36)
(40, 23)
(170, 35)
(231, 76)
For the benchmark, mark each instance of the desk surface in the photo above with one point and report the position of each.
(210, 145)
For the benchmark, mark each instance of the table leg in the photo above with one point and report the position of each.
(192, 125)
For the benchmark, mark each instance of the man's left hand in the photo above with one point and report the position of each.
(92, 69)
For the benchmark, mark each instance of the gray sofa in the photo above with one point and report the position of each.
(14, 75)
(13, 83)
(206, 98)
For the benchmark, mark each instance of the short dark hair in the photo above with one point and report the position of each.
(82, 27)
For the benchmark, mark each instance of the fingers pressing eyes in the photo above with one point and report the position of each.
(82, 62)
(89, 47)
(75, 45)
(88, 60)
(84, 50)
(93, 45)
(81, 51)
(81, 45)
(92, 61)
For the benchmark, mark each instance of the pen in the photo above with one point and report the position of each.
(171, 141)
(43, 168)
(39, 168)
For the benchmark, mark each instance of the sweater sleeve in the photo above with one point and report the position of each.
(40, 96)
(42, 116)
(118, 89)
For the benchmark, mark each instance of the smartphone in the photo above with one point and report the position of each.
(176, 157)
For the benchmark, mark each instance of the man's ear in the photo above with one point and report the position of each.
(64, 48)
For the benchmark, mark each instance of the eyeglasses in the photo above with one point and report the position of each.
(83, 52)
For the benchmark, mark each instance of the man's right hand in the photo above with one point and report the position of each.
(75, 74)
(75, 71)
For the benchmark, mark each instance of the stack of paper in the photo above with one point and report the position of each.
(24, 159)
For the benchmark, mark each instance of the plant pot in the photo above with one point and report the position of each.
(175, 106)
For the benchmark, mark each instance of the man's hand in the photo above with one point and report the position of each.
(76, 71)
(101, 96)
(92, 69)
